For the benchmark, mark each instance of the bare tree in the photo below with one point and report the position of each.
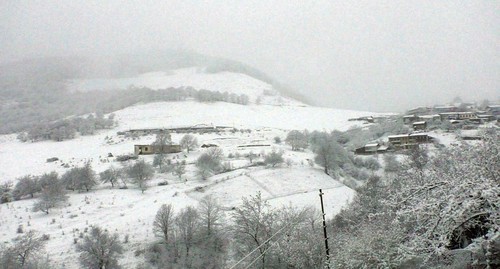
(80, 178)
(25, 251)
(211, 214)
(209, 163)
(391, 163)
(418, 158)
(164, 222)
(159, 160)
(187, 224)
(253, 226)
(274, 158)
(110, 175)
(52, 195)
(329, 153)
(189, 142)
(27, 185)
(251, 156)
(140, 172)
(179, 169)
(100, 249)
(297, 139)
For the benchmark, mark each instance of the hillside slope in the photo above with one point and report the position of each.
(130, 213)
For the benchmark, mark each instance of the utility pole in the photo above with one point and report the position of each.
(324, 230)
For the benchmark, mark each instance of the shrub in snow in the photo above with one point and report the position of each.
(140, 173)
(110, 175)
(27, 185)
(52, 195)
(80, 178)
(274, 158)
(99, 249)
(297, 139)
(209, 163)
(188, 142)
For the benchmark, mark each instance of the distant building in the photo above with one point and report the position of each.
(486, 117)
(371, 148)
(408, 141)
(419, 125)
(445, 109)
(457, 115)
(409, 119)
(156, 149)
(429, 118)
(493, 110)
(418, 111)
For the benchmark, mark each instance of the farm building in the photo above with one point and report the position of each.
(156, 149)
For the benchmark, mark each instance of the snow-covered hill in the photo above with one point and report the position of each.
(193, 77)
(129, 212)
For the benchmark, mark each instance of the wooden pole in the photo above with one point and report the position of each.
(324, 229)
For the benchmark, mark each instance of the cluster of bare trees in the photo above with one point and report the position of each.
(194, 237)
(66, 129)
(258, 235)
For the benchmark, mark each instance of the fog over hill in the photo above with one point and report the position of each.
(40, 89)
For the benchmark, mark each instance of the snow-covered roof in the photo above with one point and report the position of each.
(418, 134)
(409, 116)
(383, 147)
(371, 145)
(398, 136)
(428, 116)
(419, 122)
(438, 107)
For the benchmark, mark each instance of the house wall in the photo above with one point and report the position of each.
(156, 149)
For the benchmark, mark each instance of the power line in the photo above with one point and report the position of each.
(257, 248)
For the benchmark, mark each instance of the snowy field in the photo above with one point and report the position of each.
(131, 213)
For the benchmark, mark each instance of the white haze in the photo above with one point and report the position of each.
(367, 55)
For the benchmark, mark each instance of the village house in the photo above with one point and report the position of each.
(408, 141)
(419, 125)
(457, 115)
(409, 119)
(429, 118)
(493, 110)
(156, 149)
(371, 147)
(418, 111)
(445, 109)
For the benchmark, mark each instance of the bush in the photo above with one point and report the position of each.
(126, 157)
(99, 249)
(274, 158)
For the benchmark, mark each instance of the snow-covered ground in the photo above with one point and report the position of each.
(131, 213)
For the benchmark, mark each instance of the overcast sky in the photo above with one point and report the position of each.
(369, 55)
